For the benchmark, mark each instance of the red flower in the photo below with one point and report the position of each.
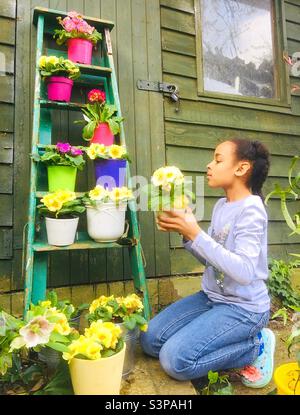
(95, 95)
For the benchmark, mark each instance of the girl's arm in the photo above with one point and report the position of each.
(240, 262)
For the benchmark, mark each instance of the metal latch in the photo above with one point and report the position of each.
(163, 87)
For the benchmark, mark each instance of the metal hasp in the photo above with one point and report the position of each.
(163, 87)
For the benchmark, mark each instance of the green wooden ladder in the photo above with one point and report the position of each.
(36, 248)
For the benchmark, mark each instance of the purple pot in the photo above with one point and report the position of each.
(110, 173)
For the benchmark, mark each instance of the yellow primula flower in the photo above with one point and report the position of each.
(126, 193)
(46, 303)
(42, 61)
(52, 204)
(53, 60)
(144, 327)
(133, 303)
(115, 194)
(181, 202)
(100, 149)
(159, 177)
(116, 152)
(98, 193)
(65, 195)
(91, 152)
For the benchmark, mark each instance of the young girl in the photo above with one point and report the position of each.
(222, 327)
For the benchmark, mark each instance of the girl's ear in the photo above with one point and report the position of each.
(243, 168)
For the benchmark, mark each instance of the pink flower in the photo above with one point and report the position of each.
(90, 29)
(96, 95)
(76, 151)
(68, 24)
(251, 373)
(82, 27)
(73, 14)
(63, 147)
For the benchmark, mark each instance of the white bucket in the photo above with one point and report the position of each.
(106, 222)
(61, 232)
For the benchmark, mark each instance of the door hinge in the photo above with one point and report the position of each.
(163, 87)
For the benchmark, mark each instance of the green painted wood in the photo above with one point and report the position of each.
(225, 116)
(292, 12)
(179, 64)
(293, 31)
(293, 46)
(7, 89)
(180, 43)
(7, 34)
(39, 283)
(8, 52)
(6, 249)
(8, 8)
(6, 148)
(6, 174)
(178, 21)
(6, 208)
(7, 118)
(183, 5)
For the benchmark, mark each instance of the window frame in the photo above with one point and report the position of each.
(282, 79)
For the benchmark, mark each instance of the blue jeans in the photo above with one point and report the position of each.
(195, 335)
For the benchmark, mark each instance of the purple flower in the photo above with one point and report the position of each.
(63, 147)
(76, 151)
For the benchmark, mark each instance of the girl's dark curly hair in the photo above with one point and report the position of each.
(258, 154)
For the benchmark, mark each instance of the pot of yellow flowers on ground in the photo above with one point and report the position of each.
(61, 210)
(59, 74)
(127, 312)
(106, 211)
(169, 190)
(96, 360)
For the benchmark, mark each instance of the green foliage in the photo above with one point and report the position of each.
(54, 66)
(279, 282)
(53, 157)
(68, 209)
(282, 312)
(217, 385)
(60, 383)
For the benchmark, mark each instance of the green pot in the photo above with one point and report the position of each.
(61, 178)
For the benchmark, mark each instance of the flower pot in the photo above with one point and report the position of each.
(131, 339)
(98, 377)
(61, 232)
(80, 50)
(285, 378)
(110, 173)
(103, 135)
(75, 322)
(61, 178)
(162, 213)
(59, 88)
(106, 222)
(50, 357)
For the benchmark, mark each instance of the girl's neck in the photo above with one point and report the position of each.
(234, 194)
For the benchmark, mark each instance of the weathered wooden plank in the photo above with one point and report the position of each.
(292, 12)
(183, 5)
(176, 20)
(7, 118)
(109, 12)
(183, 262)
(7, 88)
(225, 116)
(5, 274)
(7, 54)
(194, 159)
(179, 64)
(8, 8)
(190, 135)
(6, 148)
(293, 30)
(162, 259)
(7, 33)
(5, 242)
(6, 208)
(6, 182)
(180, 43)
(293, 46)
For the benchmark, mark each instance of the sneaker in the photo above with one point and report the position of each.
(263, 365)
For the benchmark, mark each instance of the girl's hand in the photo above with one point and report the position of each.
(183, 223)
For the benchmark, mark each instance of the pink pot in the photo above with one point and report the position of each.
(59, 88)
(80, 50)
(103, 135)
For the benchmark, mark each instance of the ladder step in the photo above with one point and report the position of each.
(83, 242)
(40, 195)
(68, 106)
(94, 70)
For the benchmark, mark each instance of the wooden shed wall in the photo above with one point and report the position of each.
(192, 134)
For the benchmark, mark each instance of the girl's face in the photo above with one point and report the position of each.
(225, 169)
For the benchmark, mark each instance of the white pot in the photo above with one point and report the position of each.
(61, 232)
(106, 222)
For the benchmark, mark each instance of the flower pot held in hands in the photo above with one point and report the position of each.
(61, 178)
(98, 377)
(162, 213)
(59, 88)
(106, 221)
(103, 135)
(61, 232)
(110, 173)
(80, 50)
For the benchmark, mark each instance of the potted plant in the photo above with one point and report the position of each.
(61, 210)
(59, 74)
(106, 211)
(101, 119)
(127, 312)
(96, 360)
(62, 161)
(110, 164)
(168, 191)
(79, 36)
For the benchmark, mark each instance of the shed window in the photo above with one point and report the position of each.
(238, 47)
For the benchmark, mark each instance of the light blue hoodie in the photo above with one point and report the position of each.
(234, 251)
